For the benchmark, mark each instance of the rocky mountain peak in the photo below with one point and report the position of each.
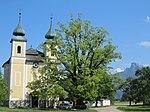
(130, 71)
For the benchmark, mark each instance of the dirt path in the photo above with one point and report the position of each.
(107, 109)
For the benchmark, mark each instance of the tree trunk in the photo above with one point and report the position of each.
(74, 104)
(80, 104)
(129, 102)
(96, 102)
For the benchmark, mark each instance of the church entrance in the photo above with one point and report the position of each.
(34, 101)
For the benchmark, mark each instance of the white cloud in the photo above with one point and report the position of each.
(147, 19)
(145, 65)
(145, 44)
(118, 70)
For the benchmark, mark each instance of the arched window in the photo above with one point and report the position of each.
(19, 49)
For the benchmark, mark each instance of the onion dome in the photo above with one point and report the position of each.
(50, 34)
(19, 31)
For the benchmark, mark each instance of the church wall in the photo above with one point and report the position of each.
(17, 81)
(18, 61)
(31, 74)
(49, 53)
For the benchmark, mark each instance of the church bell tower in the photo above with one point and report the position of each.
(17, 65)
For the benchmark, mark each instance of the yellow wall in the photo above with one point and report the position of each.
(32, 74)
(49, 53)
(17, 80)
(17, 72)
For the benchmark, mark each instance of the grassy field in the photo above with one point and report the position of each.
(118, 103)
(5, 109)
(135, 109)
(124, 107)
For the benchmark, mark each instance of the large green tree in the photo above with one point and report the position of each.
(84, 53)
(138, 89)
(3, 88)
(130, 88)
(143, 75)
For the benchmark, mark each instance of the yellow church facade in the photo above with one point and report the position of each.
(22, 67)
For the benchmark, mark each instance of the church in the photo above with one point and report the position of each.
(22, 67)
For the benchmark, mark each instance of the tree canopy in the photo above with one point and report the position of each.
(84, 52)
(138, 89)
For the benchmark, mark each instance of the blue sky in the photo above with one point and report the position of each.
(128, 22)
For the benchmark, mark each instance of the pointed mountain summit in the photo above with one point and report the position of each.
(126, 73)
(130, 71)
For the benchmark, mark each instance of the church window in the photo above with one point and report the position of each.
(19, 49)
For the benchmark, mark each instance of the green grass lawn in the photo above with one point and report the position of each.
(5, 109)
(118, 103)
(135, 109)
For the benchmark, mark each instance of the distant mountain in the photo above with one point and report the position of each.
(130, 71)
(126, 73)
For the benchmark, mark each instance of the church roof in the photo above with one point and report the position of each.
(50, 34)
(19, 32)
(19, 38)
(31, 51)
(7, 62)
(32, 55)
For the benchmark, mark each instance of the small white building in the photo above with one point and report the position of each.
(105, 102)
(102, 102)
